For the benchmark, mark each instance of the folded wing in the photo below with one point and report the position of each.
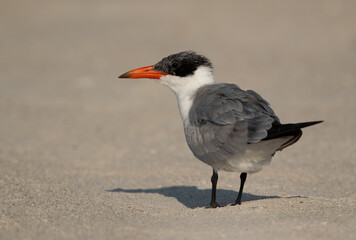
(224, 119)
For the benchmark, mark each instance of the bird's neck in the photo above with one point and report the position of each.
(185, 95)
(184, 103)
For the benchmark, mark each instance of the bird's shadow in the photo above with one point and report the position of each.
(192, 197)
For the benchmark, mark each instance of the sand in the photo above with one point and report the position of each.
(84, 155)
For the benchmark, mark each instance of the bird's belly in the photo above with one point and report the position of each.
(248, 162)
(252, 159)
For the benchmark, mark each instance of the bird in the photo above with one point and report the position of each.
(226, 127)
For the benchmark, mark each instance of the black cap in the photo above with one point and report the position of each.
(182, 64)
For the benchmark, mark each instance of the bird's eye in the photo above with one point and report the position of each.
(175, 64)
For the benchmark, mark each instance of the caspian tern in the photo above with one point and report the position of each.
(225, 127)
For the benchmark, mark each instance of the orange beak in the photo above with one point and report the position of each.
(144, 72)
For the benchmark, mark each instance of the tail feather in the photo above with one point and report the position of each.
(284, 130)
(291, 129)
(291, 141)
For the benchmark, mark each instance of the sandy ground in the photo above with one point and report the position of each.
(84, 155)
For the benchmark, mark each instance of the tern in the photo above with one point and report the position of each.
(225, 127)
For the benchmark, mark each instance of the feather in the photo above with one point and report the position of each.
(227, 119)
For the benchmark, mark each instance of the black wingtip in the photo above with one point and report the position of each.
(281, 130)
(307, 124)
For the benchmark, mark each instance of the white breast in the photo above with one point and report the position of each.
(185, 87)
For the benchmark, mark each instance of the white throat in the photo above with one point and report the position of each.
(185, 88)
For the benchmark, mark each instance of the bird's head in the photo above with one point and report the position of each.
(182, 72)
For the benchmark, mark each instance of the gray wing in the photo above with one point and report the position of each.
(224, 119)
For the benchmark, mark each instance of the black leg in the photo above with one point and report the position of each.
(214, 181)
(243, 177)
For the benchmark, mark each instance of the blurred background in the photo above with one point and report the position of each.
(68, 124)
